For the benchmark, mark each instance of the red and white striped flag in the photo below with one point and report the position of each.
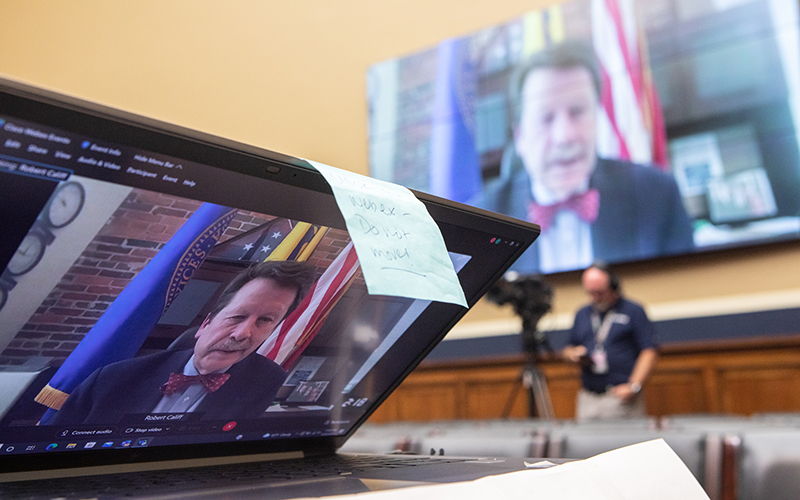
(299, 328)
(630, 125)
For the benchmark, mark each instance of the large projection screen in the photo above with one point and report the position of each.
(694, 132)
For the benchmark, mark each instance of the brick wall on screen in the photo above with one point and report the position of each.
(329, 248)
(138, 229)
(132, 236)
(243, 222)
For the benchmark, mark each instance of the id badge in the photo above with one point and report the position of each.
(599, 362)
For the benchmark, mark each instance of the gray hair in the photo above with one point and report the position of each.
(291, 274)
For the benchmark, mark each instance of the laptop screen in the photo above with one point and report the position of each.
(167, 294)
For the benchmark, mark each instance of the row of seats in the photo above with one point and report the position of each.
(733, 457)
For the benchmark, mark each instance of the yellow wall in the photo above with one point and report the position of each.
(290, 76)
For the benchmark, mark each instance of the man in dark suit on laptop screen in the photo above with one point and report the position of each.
(589, 207)
(222, 377)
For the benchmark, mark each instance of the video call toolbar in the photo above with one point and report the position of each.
(39, 152)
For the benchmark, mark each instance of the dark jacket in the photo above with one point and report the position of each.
(133, 386)
(641, 212)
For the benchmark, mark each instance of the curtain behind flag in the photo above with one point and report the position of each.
(300, 327)
(120, 332)
(300, 243)
(277, 239)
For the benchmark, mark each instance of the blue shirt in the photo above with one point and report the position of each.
(630, 333)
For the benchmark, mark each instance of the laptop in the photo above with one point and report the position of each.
(118, 237)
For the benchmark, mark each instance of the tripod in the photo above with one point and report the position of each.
(533, 380)
(531, 297)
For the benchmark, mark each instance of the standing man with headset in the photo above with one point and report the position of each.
(614, 342)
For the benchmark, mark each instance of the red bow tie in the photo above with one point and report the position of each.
(585, 206)
(178, 382)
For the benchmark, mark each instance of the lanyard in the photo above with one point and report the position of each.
(601, 329)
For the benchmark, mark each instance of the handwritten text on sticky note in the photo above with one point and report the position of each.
(400, 248)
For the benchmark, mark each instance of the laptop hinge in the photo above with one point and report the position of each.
(144, 466)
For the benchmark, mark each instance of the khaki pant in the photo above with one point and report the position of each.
(592, 406)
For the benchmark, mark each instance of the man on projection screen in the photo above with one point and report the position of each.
(589, 208)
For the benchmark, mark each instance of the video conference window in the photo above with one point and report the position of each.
(627, 130)
(159, 308)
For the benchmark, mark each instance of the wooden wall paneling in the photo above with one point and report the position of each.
(432, 396)
(756, 390)
(388, 411)
(759, 380)
(487, 390)
(711, 384)
(518, 397)
(563, 382)
(677, 390)
(743, 377)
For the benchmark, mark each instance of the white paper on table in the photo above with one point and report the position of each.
(644, 471)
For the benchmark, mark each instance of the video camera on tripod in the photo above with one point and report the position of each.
(531, 298)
